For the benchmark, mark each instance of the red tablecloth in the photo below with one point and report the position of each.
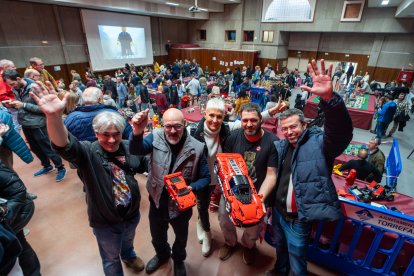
(192, 116)
(360, 118)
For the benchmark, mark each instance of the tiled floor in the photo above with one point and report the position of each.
(63, 240)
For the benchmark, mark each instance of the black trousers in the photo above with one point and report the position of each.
(159, 222)
(28, 260)
(40, 145)
(203, 202)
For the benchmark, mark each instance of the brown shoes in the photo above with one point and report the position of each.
(136, 264)
(225, 252)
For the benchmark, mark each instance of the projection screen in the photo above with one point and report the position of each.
(117, 38)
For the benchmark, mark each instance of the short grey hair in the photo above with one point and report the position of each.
(34, 60)
(92, 95)
(29, 72)
(6, 64)
(291, 112)
(106, 119)
(216, 103)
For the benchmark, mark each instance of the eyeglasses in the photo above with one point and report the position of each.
(177, 127)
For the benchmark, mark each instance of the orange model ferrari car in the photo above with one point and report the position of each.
(179, 192)
(242, 201)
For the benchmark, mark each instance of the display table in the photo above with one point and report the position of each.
(361, 117)
(192, 116)
(369, 240)
(350, 153)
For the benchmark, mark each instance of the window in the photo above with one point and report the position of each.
(230, 36)
(202, 35)
(288, 10)
(248, 36)
(267, 36)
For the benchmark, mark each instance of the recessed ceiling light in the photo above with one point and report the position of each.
(385, 2)
(326, 54)
(347, 55)
(172, 4)
(45, 42)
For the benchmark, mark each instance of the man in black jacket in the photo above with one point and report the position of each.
(365, 171)
(107, 171)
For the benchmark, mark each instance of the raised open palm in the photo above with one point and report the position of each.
(47, 99)
(322, 82)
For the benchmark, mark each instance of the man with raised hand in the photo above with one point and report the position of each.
(304, 191)
(107, 171)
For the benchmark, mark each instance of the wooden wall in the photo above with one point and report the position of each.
(64, 71)
(205, 57)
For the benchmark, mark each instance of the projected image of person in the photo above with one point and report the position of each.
(125, 39)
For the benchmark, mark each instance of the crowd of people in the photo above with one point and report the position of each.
(102, 129)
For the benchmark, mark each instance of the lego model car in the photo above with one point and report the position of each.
(179, 192)
(243, 203)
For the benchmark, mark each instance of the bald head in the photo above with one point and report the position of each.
(363, 154)
(173, 114)
(91, 96)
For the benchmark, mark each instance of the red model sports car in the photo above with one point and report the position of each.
(179, 192)
(242, 201)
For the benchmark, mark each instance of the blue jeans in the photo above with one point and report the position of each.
(114, 241)
(292, 239)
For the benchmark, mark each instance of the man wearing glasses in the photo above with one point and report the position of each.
(304, 191)
(37, 64)
(172, 150)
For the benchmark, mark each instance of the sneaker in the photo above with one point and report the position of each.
(225, 252)
(136, 264)
(200, 232)
(248, 255)
(60, 175)
(44, 171)
(206, 247)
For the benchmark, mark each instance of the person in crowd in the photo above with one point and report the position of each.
(257, 73)
(107, 171)
(33, 123)
(37, 64)
(74, 87)
(90, 80)
(20, 210)
(121, 92)
(400, 116)
(74, 74)
(213, 131)
(305, 158)
(272, 102)
(242, 99)
(172, 150)
(161, 104)
(194, 88)
(108, 84)
(107, 99)
(173, 94)
(385, 116)
(365, 171)
(245, 85)
(256, 146)
(364, 86)
(278, 89)
(6, 92)
(298, 102)
(11, 141)
(144, 96)
(376, 157)
(32, 74)
(349, 73)
(79, 121)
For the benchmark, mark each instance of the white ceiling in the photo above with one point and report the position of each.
(404, 8)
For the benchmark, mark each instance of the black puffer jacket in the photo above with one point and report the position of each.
(21, 208)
